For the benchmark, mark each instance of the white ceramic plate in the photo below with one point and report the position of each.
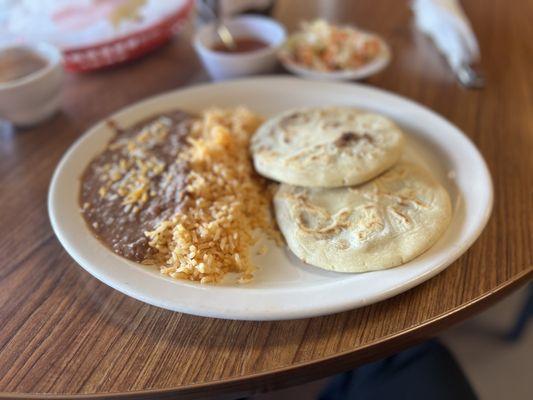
(284, 287)
(373, 67)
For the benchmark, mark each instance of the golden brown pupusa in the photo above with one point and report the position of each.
(326, 147)
(379, 224)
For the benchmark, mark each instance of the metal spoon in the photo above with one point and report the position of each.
(225, 36)
(222, 30)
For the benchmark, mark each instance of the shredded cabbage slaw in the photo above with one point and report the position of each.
(325, 47)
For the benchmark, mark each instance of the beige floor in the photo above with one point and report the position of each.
(497, 369)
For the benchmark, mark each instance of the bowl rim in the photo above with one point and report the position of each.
(272, 47)
(383, 59)
(49, 52)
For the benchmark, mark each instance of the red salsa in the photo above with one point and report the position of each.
(242, 45)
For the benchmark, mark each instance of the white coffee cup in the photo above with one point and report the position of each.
(34, 97)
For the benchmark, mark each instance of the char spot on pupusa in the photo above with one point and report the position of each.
(347, 138)
(289, 119)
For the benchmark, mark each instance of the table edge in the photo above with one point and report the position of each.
(313, 370)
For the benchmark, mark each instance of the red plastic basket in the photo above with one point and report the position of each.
(128, 47)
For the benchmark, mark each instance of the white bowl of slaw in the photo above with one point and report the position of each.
(371, 67)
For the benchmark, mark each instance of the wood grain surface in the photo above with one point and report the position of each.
(62, 332)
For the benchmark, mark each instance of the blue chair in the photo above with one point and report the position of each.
(426, 371)
(523, 317)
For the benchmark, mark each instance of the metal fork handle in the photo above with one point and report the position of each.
(469, 77)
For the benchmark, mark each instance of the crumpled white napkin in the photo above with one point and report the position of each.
(446, 23)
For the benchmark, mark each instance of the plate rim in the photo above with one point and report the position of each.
(278, 314)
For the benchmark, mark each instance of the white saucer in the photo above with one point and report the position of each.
(373, 67)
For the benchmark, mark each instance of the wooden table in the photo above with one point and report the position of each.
(62, 332)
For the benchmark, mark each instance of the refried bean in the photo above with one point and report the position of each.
(136, 182)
